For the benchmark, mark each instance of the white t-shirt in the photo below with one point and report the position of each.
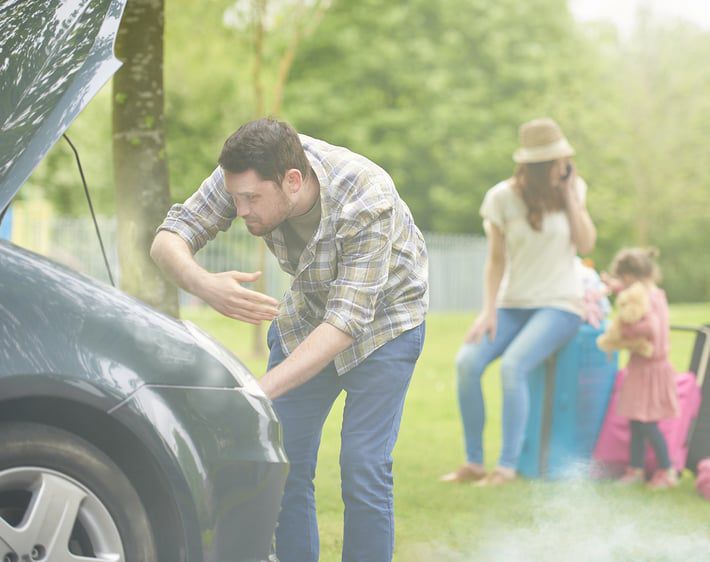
(539, 265)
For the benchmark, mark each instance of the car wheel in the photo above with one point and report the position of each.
(62, 499)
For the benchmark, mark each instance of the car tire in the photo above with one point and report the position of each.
(92, 504)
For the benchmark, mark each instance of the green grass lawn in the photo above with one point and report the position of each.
(529, 521)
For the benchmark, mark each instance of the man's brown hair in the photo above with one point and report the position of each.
(267, 146)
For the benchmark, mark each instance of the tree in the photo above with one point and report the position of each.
(261, 20)
(433, 92)
(275, 29)
(140, 166)
(665, 84)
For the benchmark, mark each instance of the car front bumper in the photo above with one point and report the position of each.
(222, 455)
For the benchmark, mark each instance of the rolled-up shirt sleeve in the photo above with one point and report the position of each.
(491, 209)
(206, 212)
(365, 247)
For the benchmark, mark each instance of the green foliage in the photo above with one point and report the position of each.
(207, 89)
(57, 178)
(645, 152)
(434, 92)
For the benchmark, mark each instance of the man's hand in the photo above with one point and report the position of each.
(307, 360)
(224, 292)
(484, 324)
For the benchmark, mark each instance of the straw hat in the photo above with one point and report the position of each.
(541, 140)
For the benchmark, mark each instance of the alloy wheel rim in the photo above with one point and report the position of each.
(63, 520)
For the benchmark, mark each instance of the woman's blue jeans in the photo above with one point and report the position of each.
(525, 337)
(375, 391)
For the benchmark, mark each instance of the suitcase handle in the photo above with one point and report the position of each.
(704, 354)
(700, 373)
(686, 328)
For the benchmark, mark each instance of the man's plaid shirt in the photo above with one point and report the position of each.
(365, 269)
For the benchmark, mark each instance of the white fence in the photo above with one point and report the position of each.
(455, 261)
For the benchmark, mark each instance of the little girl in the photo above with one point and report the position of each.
(648, 392)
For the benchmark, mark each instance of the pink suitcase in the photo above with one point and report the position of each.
(611, 453)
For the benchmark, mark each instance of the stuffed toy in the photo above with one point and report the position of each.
(632, 305)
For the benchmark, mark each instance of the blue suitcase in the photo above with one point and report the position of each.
(568, 399)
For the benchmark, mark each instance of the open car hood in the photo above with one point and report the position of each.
(55, 55)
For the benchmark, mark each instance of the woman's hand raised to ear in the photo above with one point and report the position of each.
(568, 183)
(584, 234)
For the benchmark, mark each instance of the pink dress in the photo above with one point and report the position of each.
(648, 392)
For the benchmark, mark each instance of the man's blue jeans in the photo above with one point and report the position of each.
(525, 337)
(375, 392)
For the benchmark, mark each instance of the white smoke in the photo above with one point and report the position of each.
(580, 521)
(575, 523)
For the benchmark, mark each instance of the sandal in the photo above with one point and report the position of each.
(663, 479)
(631, 476)
(465, 473)
(499, 477)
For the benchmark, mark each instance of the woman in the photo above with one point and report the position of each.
(535, 223)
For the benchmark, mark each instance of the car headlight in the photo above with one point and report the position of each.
(238, 370)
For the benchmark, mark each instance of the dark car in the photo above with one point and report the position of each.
(125, 435)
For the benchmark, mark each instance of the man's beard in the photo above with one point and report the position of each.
(260, 229)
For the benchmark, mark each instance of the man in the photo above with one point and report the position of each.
(352, 320)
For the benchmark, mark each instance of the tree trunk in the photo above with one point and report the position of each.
(140, 165)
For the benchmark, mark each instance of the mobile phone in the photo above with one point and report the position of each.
(568, 171)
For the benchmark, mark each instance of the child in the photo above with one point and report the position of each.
(648, 392)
